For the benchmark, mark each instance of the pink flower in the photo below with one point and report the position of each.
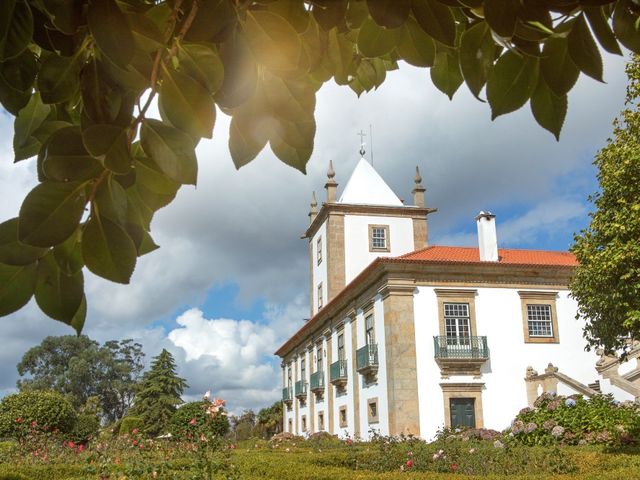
(134, 443)
(409, 463)
(134, 431)
(192, 421)
(19, 420)
(71, 444)
(348, 441)
(409, 454)
(454, 467)
(80, 448)
(34, 424)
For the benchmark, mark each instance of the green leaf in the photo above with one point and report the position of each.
(25, 145)
(445, 73)
(341, 55)
(172, 150)
(58, 79)
(186, 104)
(416, 47)
(50, 213)
(16, 81)
(16, 287)
(583, 49)
(600, 25)
(556, 66)
(214, 19)
(329, 13)
(110, 144)
(436, 19)
(149, 175)
(477, 52)
(77, 322)
(289, 99)
(57, 294)
(102, 101)
(511, 83)
(107, 250)
(111, 201)
(202, 63)
(502, 16)
(147, 35)
(295, 13)
(248, 133)
(68, 254)
(13, 252)
(548, 108)
(66, 158)
(376, 41)
(625, 25)
(273, 41)
(147, 245)
(240, 74)
(389, 13)
(111, 31)
(292, 142)
(16, 28)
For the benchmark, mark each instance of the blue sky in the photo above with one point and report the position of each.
(230, 283)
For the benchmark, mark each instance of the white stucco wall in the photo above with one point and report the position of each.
(319, 271)
(356, 241)
(499, 317)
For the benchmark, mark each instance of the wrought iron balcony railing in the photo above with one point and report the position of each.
(317, 381)
(462, 348)
(338, 373)
(301, 389)
(287, 394)
(367, 359)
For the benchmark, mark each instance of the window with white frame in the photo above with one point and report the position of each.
(379, 238)
(456, 323)
(319, 359)
(539, 321)
(319, 295)
(341, 346)
(303, 369)
(319, 250)
(369, 333)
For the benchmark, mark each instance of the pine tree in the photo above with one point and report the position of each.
(607, 281)
(159, 394)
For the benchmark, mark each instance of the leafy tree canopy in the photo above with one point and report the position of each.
(80, 75)
(159, 394)
(81, 369)
(607, 281)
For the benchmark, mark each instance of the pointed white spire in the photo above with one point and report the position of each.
(367, 187)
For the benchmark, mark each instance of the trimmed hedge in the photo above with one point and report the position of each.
(35, 409)
(85, 429)
(191, 421)
(130, 423)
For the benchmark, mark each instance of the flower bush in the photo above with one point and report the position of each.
(130, 423)
(194, 419)
(576, 420)
(44, 410)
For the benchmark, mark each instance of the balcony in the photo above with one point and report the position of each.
(367, 360)
(287, 396)
(338, 373)
(460, 355)
(301, 390)
(317, 383)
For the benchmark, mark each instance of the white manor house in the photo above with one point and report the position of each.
(407, 337)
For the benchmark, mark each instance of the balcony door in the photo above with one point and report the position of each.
(463, 413)
(457, 323)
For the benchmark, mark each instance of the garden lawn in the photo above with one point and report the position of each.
(304, 460)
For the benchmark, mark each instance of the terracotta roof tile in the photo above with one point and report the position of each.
(506, 256)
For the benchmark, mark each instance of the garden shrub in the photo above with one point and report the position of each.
(25, 411)
(576, 420)
(130, 423)
(85, 429)
(191, 420)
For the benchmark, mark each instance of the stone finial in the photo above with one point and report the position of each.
(418, 190)
(550, 368)
(331, 186)
(313, 212)
(531, 372)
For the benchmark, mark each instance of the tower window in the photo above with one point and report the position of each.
(379, 238)
(319, 295)
(319, 250)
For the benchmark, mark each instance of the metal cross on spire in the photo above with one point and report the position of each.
(362, 135)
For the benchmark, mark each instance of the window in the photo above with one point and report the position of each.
(342, 416)
(319, 250)
(539, 320)
(320, 421)
(379, 238)
(369, 332)
(304, 423)
(372, 410)
(303, 369)
(290, 426)
(289, 375)
(319, 359)
(456, 323)
(319, 295)
(341, 346)
(463, 404)
(539, 317)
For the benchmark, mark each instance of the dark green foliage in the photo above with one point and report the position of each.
(270, 420)
(130, 423)
(191, 420)
(75, 75)
(159, 394)
(41, 410)
(607, 281)
(577, 420)
(80, 368)
(85, 429)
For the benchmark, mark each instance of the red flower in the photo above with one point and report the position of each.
(80, 448)
(192, 421)
(34, 424)
(141, 446)
(134, 443)
(454, 467)
(71, 444)
(409, 463)
(134, 431)
(19, 420)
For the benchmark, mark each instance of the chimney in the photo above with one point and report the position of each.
(331, 185)
(487, 238)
